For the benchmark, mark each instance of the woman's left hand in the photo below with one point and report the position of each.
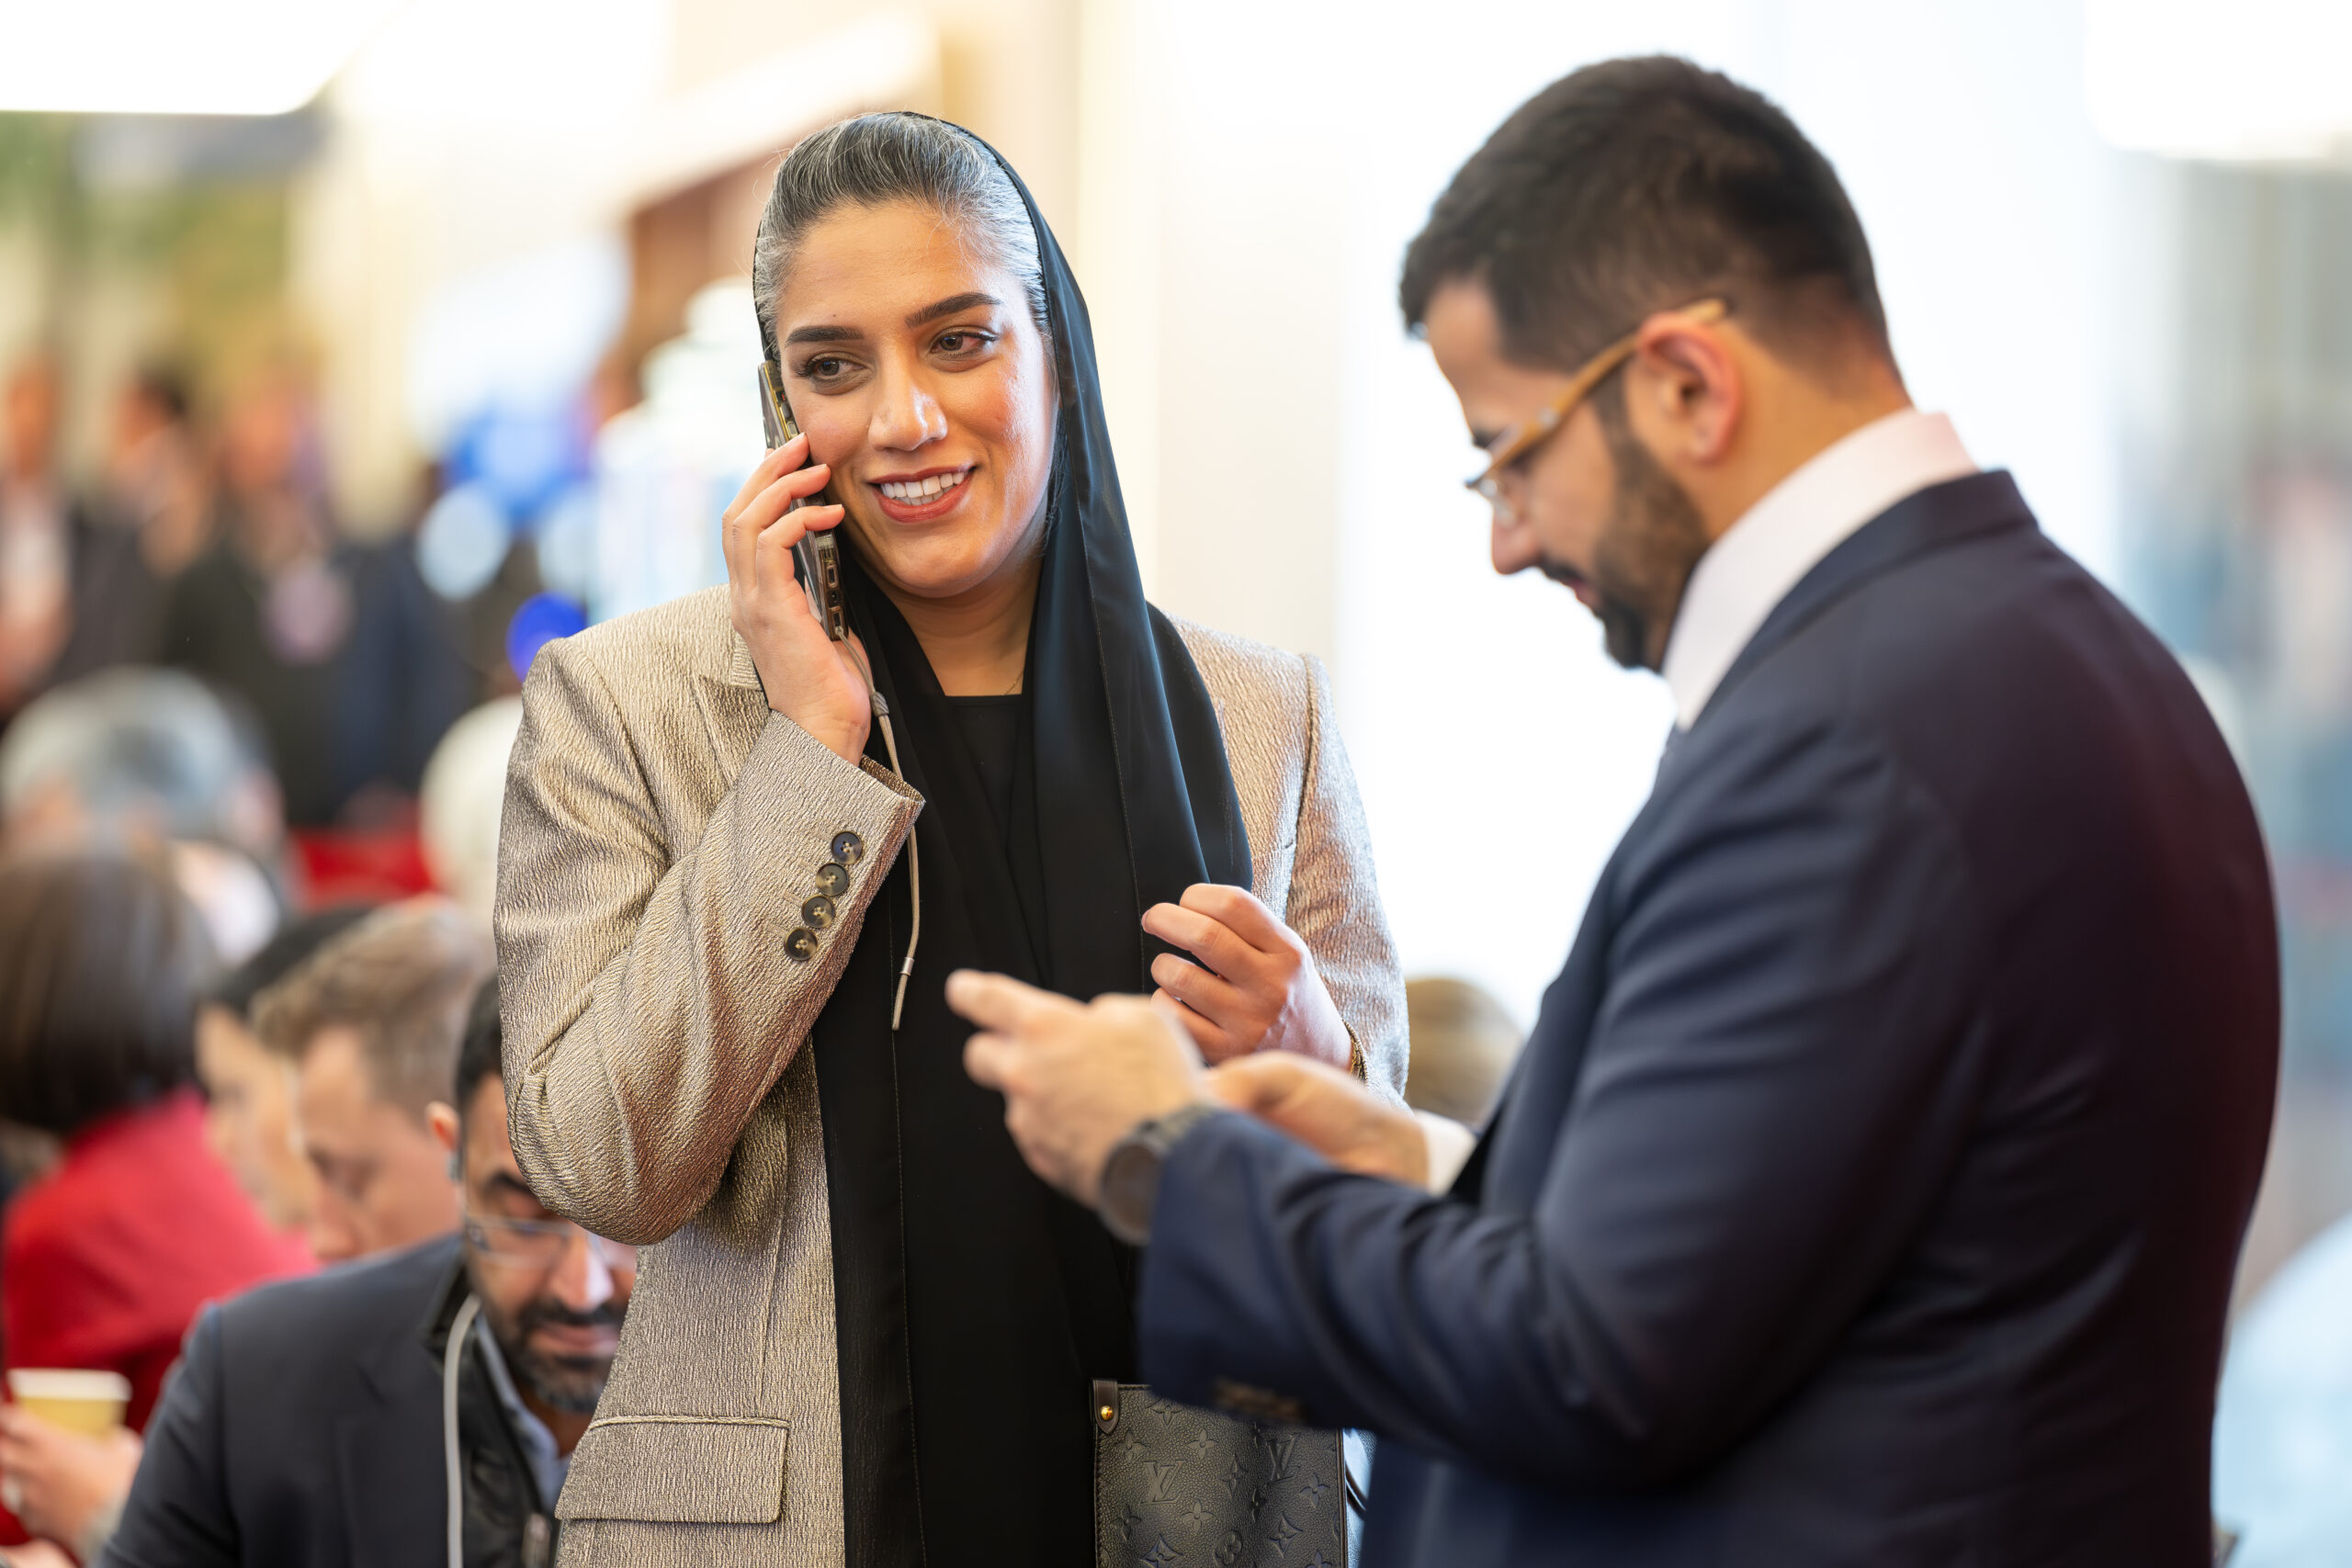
(1259, 990)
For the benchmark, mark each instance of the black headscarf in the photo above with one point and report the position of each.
(973, 1304)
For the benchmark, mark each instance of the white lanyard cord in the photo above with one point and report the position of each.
(450, 1358)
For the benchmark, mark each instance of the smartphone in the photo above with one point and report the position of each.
(819, 555)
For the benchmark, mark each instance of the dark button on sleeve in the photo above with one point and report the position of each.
(819, 912)
(801, 944)
(832, 880)
(848, 848)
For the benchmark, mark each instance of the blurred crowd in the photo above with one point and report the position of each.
(250, 780)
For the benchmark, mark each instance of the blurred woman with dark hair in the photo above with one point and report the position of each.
(106, 1259)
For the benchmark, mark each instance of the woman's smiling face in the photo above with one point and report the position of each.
(913, 361)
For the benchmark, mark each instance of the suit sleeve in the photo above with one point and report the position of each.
(649, 1000)
(1335, 899)
(179, 1514)
(1775, 1087)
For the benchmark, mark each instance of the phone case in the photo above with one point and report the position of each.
(818, 556)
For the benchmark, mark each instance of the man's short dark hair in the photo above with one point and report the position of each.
(100, 961)
(479, 1048)
(1637, 185)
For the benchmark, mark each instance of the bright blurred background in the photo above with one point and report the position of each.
(461, 287)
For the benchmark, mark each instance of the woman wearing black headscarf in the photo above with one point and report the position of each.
(869, 1335)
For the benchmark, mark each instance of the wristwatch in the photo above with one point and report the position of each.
(1131, 1171)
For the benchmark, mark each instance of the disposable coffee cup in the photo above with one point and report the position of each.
(89, 1403)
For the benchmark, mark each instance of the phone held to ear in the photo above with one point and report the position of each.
(819, 554)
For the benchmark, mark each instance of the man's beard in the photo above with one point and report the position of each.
(1652, 540)
(570, 1383)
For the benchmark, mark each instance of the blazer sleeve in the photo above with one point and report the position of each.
(649, 1000)
(1774, 1090)
(1334, 900)
(179, 1514)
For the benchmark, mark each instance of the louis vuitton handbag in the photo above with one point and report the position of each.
(1173, 1484)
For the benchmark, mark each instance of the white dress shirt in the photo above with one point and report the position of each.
(1824, 503)
(1745, 573)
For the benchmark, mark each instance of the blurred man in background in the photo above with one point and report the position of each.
(156, 486)
(1871, 1188)
(39, 531)
(249, 1089)
(63, 582)
(371, 1023)
(307, 1427)
(153, 762)
(347, 658)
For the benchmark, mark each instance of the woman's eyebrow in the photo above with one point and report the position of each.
(822, 334)
(949, 305)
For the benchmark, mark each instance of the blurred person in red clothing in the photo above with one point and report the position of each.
(323, 1107)
(105, 1259)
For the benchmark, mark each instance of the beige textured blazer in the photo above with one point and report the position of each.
(661, 830)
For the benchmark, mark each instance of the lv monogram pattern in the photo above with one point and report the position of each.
(1174, 1484)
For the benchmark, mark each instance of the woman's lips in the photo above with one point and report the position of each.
(938, 506)
(932, 506)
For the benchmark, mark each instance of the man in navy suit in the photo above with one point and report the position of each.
(1870, 1189)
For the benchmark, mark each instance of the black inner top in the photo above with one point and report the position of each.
(974, 1304)
(992, 729)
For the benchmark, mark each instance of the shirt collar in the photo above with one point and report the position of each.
(1775, 542)
(549, 1467)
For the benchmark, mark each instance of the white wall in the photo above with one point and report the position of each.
(1298, 460)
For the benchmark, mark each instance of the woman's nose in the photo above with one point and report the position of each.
(906, 415)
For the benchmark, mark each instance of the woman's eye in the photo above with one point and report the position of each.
(823, 368)
(962, 342)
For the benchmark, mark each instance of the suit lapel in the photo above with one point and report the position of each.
(389, 1456)
(734, 708)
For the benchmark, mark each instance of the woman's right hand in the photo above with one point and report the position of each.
(811, 680)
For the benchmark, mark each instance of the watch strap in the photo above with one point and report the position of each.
(1130, 1187)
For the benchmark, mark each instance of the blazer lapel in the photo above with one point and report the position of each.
(734, 708)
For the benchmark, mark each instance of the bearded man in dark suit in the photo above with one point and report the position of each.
(1869, 1189)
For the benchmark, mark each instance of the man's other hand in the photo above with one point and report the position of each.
(1076, 1076)
(1327, 1110)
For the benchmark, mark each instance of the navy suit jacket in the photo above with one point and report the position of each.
(1869, 1189)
